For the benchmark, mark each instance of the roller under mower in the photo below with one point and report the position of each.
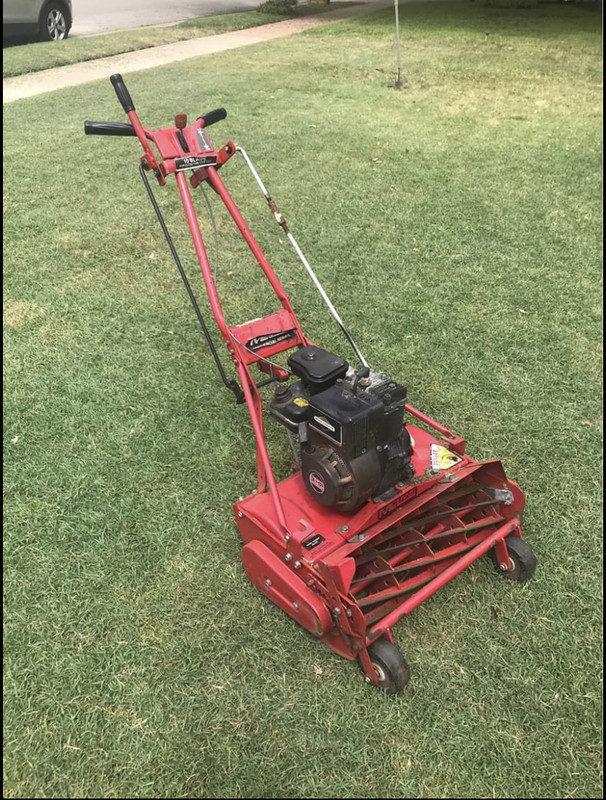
(379, 513)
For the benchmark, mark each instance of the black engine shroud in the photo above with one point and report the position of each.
(354, 443)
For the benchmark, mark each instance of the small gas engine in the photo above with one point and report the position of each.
(354, 444)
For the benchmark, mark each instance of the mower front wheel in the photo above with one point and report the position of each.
(390, 666)
(523, 560)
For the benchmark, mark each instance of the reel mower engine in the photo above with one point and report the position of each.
(350, 424)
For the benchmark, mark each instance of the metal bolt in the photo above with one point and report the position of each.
(297, 565)
(349, 612)
(240, 514)
(267, 582)
(345, 528)
(367, 679)
(295, 606)
(502, 567)
(336, 611)
(288, 557)
(286, 537)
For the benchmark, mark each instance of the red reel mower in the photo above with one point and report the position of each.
(379, 513)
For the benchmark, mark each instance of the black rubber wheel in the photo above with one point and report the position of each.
(523, 561)
(390, 665)
(54, 22)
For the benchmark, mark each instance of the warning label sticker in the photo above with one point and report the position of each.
(442, 458)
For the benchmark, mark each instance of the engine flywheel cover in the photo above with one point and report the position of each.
(326, 476)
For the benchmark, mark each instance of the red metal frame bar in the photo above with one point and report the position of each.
(242, 356)
(217, 184)
(455, 442)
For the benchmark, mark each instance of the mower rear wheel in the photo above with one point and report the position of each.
(523, 560)
(391, 667)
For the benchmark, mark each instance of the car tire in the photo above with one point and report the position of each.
(54, 22)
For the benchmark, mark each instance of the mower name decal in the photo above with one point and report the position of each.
(269, 339)
(399, 501)
(194, 162)
(312, 541)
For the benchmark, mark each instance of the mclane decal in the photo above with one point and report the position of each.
(397, 502)
(269, 339)
(194, 162)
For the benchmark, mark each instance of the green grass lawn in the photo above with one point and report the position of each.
(457, 226)
(33, 57)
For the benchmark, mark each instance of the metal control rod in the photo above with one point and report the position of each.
(232, 385)
(282, 223)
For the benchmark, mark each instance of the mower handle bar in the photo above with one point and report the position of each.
(122, 93)
(216, 115)
(124, 128)
(109, 128)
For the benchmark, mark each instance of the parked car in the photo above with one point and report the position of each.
(45, 20)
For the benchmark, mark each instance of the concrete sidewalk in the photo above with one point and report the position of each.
(51, 79)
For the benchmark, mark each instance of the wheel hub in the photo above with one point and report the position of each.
(381, 676)
(56, 25)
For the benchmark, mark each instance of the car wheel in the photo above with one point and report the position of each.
(55, 22)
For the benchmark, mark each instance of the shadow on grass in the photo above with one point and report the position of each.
(15, 41)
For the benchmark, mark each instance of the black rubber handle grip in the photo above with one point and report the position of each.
(216, 115)
(122, 92)
(109, 128)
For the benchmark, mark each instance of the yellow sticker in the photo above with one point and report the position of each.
(441, 458)
(301, 401)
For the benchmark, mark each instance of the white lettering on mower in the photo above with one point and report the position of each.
(269, 339)
(316, 483)
(324, 423)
